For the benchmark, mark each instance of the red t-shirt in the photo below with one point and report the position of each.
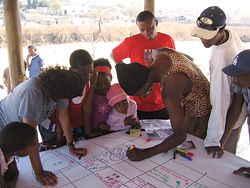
(76, 109)
(137, 48)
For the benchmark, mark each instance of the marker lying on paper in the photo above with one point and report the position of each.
(80, 157)
(174, 153)
(134, 132)
(185, 156)
(131, 147)
(185, 152)
(147, 139)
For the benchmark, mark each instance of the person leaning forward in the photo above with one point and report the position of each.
(185, 88)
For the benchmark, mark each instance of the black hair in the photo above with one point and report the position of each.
(32, 47)
(102, 62)
(16, 136)
(144, 15)
(80, 57)
(132, 77)
(59, 83)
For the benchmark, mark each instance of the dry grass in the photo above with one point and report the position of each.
(58, 34)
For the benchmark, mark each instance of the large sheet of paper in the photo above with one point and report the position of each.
(106, 166)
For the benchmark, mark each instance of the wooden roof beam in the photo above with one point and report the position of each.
(149, 5)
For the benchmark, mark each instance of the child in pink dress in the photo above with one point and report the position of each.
(124, 111)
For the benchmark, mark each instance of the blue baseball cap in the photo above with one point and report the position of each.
(240, 65)
(209, 23)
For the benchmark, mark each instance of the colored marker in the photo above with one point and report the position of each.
(174, 153)
(131, 147)
(147, 140)
(185, 152)
(185, 156)
(80, 157)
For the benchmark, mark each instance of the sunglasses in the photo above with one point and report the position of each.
(206, 26)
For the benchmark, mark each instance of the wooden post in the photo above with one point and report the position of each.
(14, 41)
(149, 5)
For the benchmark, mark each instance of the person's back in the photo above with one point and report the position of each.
(140, 48)
(9, 106)
(197, 101)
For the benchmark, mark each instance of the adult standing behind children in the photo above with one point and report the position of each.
(34, 61)
(139, 48)
(34, 100)
(211, 29)
(240, 71)
(185, 88)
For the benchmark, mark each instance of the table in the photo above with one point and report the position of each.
(106, 165)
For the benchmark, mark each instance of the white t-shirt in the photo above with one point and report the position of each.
(220, 83)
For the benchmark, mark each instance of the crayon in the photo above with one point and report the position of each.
(185, 156)
(185, 152)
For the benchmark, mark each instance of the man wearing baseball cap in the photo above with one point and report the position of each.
(240, 71)
(212, 31)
